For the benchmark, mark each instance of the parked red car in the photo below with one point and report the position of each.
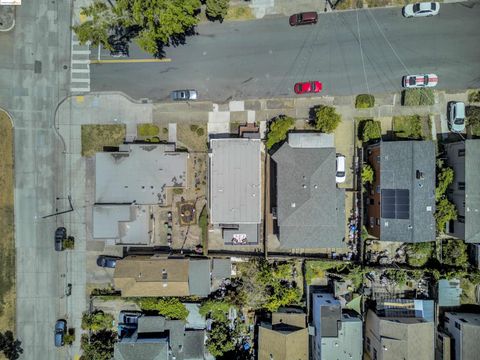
(304, 18)
(308, 87)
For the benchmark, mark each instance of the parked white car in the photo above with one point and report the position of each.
(456, 116)
(419, 81)
(340, 175)
(421, 9)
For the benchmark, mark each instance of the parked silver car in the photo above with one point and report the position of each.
(456, 116)
(183, 95)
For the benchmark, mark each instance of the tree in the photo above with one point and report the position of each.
(370, 130)
(97, 321)
(96, 29)
(217, 309)
(445, 212)
(10, 346)
(99, 346)
(368, 174)
(454, 253)
(445, 178)
(171, 308)
(221, 339)
(419, 254)
(279, 128)
(217, 9)
(327, 119)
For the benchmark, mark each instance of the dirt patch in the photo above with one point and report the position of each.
(7, 242)
(239, 13)
(96, 137)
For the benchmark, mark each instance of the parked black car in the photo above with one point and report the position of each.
(60, 329)
(60, 235)
(107, 261)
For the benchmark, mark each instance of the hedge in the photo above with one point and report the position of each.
(370, 130)
(364, 101)
(418, 97)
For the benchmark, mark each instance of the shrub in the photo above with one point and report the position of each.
(445, 212)
(200, 131)
(419, 254)
(193, 127)
(165, 130)
(279, 128)
(69, 243)
(474, 96)
(327, 119)
(217, 9)
(69, 337)
(97, 321)
(364, 101)
(368, 174)
(454, 253)
(418, 97)
(370, 130)
(221, 339)
(445, 178)
(171, 308)
(155, 139)
(472, 114)
(147, 130)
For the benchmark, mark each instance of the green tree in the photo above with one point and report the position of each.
(454, 253)
(370, 130)
(99, 346)
(445, 212)
(419, 254)
(327, 119)
(97, 321)
(218, 309)
(96, 28)
(445, 178)
(171, 308)
(279, 128)
(368, 174)
(221, 339)
(217, 9)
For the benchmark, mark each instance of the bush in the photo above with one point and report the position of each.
(171, 308)
(419, 254)
(193, 127)
(474, 96)
(97, 321)
(368, 174)
(472, 114)
(327, 119)
(370, 130)
(221, 339)
(99, 346)
(217, 9)
(445, 178)
(147, 130)
(279, 128)
(454, 253)
(200, 131)
(69, 337)
(364, 101)
(444, 213)
(69, 243)
(418, 97)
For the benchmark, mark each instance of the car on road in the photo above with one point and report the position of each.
(60, 235)
(421, 9)
(307, 87)
(107, 261)
(60, 329)
(419, 81)
(304, 18)
(340, 175)
(456, 116)
(128, 317)
(182, 95)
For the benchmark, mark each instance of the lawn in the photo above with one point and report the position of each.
(411, 127)
(239, 13)
(96, 137)
(193, 136)
(7, 242)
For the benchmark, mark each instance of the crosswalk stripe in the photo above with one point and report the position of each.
(81, 52)
(75, 70)
(75, 61)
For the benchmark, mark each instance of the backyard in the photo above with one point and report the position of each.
(412, 127)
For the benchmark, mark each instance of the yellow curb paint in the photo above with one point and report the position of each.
(125, 61)
(80, 99)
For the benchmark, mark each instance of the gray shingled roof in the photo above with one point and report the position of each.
(194, 344)
(235, 188)
(310, 208)
(472, 191)
(399, 163)
(138, 173)
(199, 277)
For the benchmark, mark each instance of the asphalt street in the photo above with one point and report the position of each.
(264, 58)
(34, 72)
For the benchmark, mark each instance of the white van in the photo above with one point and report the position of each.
(340, 175)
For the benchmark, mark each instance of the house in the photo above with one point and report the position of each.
(157, 338)
(308, 207)
(400, 330)
(160, 276)
(337, 331)
(464, 158)
(235, 192)
(129, 183)
(285, 338)
(401, 201)
(463, 330)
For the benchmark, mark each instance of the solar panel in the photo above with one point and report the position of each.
(395, 203)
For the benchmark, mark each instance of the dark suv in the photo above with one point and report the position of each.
(60, 329)
(304, 18)
(60, 235)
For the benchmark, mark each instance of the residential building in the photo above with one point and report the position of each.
(308, 207)
(464, 332)
(157, 338)
(449, 293)
(464, 158)
(401, 201)
(400, 330)
(160, 276)
(337, 331)
(285, 338)
(235, 192)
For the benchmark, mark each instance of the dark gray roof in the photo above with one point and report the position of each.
(194, 344)
(401, 165)
(330, 318)
(310, 208)
(222, 269)
(145, 349)
(472, 191)
(199, 277)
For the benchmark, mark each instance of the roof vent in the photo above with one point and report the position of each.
(304, 186)
(164, 274)
(429, 208)
(315, 186)
(293, 205)
(410, 227)
(385, 223)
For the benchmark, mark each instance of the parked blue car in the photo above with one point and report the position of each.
(60, 329)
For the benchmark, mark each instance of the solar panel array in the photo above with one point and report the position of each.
(395, 203)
